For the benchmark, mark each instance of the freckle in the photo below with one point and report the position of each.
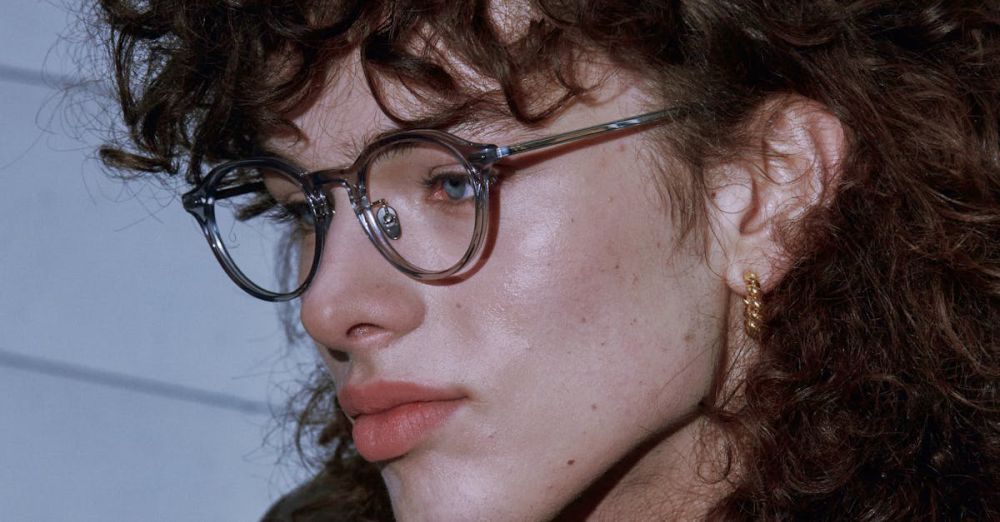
(634, 320)
(572, 220)
(688, 337)
(604, 343)
(593, 407)
(583, 319)
(458, 305)
(570, 462)
(617, 266)
(659, 245)
(611, 199)
(635, 279)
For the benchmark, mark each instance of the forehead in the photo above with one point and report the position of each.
(340, 118)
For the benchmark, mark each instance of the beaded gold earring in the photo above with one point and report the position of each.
(752, 306)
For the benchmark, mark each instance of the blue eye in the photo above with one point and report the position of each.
(457, 187)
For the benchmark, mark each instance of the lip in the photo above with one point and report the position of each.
(392, 418)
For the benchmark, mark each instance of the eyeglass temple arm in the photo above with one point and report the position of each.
(576, 135)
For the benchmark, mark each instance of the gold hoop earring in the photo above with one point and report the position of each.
(752, 306)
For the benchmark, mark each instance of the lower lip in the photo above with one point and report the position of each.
(396, 431)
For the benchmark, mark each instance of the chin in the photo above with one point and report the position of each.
(449, 491)
(437, 500)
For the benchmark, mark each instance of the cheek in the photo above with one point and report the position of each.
(593, 302)
(558, 247)
(586, 250)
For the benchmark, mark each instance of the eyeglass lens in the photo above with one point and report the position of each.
(269, 233)
(423, 199)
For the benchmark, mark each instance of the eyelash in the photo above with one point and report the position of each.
(297, 212)
(265, 206)
(431, 181)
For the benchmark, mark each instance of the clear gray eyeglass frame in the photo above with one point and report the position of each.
(477, 159)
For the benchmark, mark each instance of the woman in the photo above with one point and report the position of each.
(763, 282)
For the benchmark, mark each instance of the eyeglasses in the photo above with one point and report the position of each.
(421, 196)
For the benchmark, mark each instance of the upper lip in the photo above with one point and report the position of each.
(379, 396)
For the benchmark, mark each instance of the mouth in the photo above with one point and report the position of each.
(392, 418)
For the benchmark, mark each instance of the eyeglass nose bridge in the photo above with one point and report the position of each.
(378, 219)
(320, 182)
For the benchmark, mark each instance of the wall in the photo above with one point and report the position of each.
(135, 379)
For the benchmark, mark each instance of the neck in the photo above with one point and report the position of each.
(673, 475)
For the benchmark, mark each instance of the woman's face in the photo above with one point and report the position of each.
(588, 329)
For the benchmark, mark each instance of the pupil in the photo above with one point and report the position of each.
(455, 187)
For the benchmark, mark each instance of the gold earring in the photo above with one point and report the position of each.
(752, 305)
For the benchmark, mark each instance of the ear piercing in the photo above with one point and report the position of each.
(752, 317)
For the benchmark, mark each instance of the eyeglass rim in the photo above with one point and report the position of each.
(200, 203)
(479, 173)
(477, 158)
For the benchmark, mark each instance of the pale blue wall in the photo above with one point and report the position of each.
(113, 284)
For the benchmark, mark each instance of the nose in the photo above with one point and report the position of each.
(357, 302)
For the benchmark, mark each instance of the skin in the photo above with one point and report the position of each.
(585, 338)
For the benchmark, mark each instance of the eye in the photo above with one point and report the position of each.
(451, 187)
(294, 212)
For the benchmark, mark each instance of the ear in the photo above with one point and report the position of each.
(792, 169)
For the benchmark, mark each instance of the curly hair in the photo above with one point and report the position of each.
(876, 389)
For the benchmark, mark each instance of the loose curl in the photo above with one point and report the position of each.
(874, 394)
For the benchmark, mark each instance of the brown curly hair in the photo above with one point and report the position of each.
(876, 392)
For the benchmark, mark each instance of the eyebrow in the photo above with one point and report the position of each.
(478, 121)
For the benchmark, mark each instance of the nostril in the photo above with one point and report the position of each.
(337, 355)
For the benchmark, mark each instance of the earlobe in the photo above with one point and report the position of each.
(792, 171)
